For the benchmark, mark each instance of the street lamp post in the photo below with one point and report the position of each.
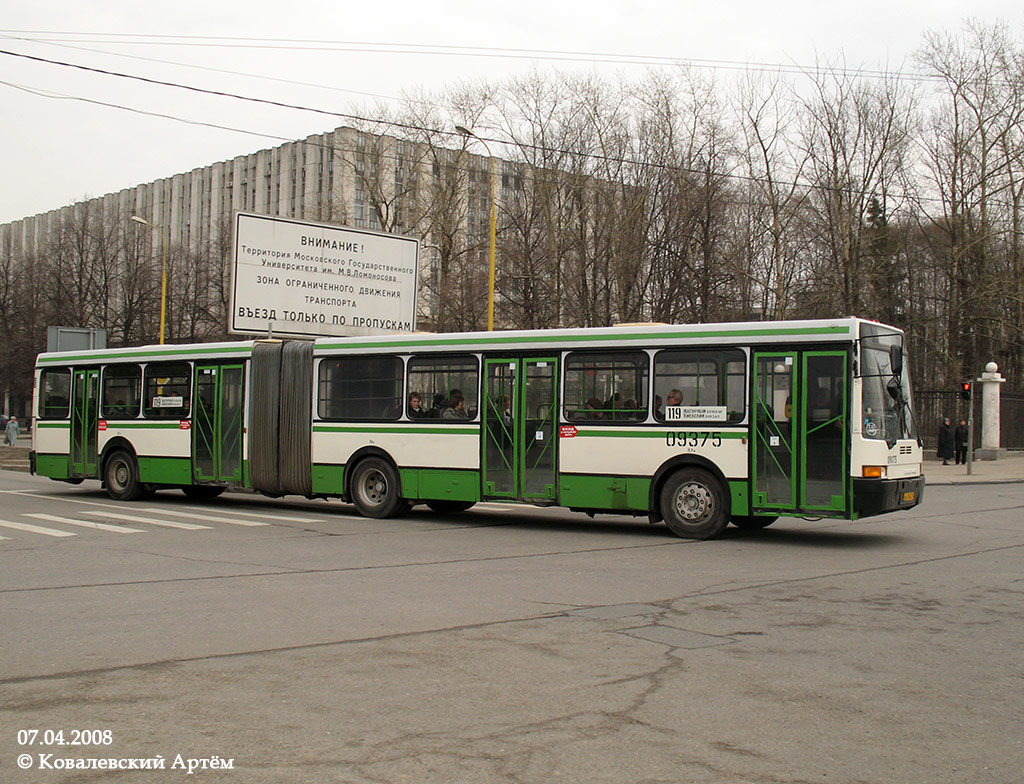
(163, 274)
(490, 269)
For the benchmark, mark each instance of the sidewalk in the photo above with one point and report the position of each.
(1008, 468)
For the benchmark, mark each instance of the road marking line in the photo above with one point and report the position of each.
(278, 518)
(150, 520)
(116, 529)
(197, 516)
(34, 529)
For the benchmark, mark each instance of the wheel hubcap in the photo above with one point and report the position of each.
(375, 488)
(694, 503)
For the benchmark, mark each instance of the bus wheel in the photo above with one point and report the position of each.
(202, 492)
(374, 489)
(753, 522)
(121, 474)
(693, 504)
(450, 507)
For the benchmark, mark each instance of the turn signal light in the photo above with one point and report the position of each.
(874, 472)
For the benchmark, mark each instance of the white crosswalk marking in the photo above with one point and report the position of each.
(282, 517)
(197, 516)
(34, 529)
(150, 520)
(115, 529)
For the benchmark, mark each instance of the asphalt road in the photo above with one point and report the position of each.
(507, 645)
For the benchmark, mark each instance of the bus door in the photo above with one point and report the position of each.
(520, 424)
(85, 419)
(217, 414)
(800, 441)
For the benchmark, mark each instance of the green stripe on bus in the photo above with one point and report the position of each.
(58, 425)
(113, 423)
(646, 337)
(130, 354)
(399, 428)
(651, 433)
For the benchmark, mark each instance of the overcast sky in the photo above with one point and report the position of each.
(58, 150)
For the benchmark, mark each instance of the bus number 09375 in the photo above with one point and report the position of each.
(682, 440)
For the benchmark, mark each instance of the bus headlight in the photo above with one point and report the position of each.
(873, 472)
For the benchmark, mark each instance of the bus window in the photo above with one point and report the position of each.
(606, 387)
(168, 390)
(54, 393)
(700, 385)
(121, 391)
(437, 380)
(360, 388)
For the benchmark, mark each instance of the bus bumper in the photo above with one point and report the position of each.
(876, 496)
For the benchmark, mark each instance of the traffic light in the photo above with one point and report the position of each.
(965, 389)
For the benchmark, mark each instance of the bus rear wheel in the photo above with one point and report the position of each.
(374, 489)
(693, 504)
(121, 475)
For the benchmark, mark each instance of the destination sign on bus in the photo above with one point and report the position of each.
(695, 413)
(302, 279)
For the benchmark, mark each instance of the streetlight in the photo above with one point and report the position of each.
(163, 275)
(490, 270)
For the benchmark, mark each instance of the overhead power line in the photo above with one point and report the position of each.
(450, 50)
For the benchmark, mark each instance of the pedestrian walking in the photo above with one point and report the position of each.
(11, 432)
(945, 450)
(960, 443)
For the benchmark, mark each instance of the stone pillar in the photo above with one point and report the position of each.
(990, 381)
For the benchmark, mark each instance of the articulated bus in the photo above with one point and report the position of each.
(697, 426)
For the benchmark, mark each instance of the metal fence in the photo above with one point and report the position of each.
(932, 405)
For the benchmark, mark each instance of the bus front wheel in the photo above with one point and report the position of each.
(374, 489)
(693, 504)
(121, 475)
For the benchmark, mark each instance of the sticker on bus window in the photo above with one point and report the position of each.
(567, 431)
(170, 401)
(695, 413)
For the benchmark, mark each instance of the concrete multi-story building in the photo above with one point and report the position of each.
(346, 176)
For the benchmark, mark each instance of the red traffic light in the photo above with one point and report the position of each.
(965, 390)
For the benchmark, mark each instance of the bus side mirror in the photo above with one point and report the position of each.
(894, 389)
(896, 360)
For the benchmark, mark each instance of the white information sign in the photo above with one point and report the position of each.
(695, 413)
(306, 280)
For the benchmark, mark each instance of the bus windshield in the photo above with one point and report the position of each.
(887, 402)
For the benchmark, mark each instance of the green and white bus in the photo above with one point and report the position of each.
(694, 425)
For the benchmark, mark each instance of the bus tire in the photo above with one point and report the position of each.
(693, 504)
(450, 507)
(374, 489)
(202, 492)
(121, 476)
(753, 522)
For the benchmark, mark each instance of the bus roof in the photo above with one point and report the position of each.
(633, 336)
